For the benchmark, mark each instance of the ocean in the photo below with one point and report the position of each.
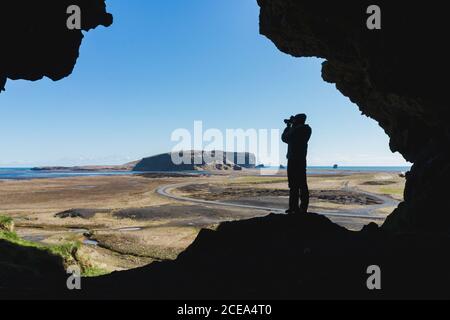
(328, 170)
(28, 173)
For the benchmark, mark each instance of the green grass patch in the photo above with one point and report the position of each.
(65, 251)
(5, 220)
(68, 252)
(6, 223)
(92, 272)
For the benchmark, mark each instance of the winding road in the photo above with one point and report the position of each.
(365, 213)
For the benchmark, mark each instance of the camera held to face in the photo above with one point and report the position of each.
(296, 120)
(289, 121)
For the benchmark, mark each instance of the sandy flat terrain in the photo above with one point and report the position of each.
(125, 223)
(40, 195)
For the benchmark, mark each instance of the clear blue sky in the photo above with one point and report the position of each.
(165, 64)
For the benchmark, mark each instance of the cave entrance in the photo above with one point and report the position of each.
(130, 94)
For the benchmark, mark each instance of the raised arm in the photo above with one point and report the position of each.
(286, 134)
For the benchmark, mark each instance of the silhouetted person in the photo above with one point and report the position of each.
(297, 135)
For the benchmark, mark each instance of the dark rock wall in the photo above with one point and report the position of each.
(35, 40)
(288, 257)
(394, 75)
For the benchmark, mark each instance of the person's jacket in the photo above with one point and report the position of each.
(297, 139)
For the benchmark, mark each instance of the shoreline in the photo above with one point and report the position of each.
(23, 174)
(41, 174)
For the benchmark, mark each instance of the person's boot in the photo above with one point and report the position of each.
(304, 203)
(294, 197)
(303, 208)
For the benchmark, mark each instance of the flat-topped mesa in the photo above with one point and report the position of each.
(36, 41)
(197, 160)
(392, 75)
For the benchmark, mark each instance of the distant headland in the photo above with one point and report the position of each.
(196, 161)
